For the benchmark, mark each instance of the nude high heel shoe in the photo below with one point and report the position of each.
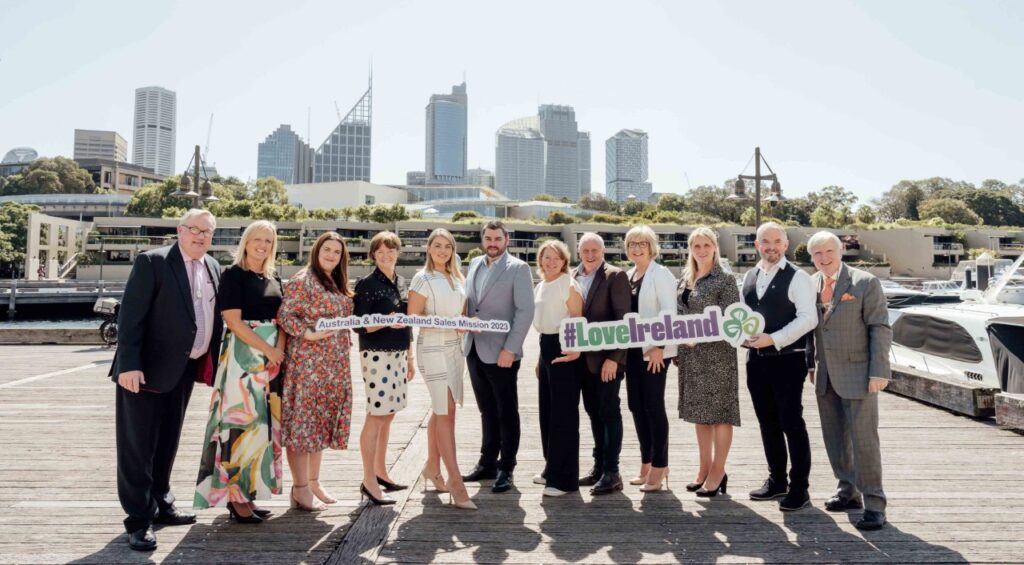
(437, 481)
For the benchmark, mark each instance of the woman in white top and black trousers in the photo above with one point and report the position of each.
(556, 297)
(654, 292)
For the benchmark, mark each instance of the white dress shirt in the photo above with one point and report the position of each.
(801, 293)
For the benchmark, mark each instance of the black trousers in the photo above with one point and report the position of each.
(646, 401)
(148, 427)
(776, 387)
(601, 401)
(498, 400)
(559, 386)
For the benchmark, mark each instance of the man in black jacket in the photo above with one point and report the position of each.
(168, 333)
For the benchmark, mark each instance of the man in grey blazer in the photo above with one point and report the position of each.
(498, 287)
(849, 360)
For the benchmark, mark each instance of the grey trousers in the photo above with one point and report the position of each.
(850, 430)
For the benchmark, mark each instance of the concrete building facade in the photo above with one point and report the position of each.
(626, 166)
(446, 137)
(96, 144)
(285, 156)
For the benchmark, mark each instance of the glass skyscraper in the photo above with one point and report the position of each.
(446, 137)
(626, 166)
(542, 154)
(345, 154)
(285, 156)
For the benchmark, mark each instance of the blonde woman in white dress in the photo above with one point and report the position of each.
(439, 289)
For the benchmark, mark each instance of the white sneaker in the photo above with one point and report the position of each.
(538, 479)
(552, 491)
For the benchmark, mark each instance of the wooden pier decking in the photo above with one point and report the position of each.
(955, 487)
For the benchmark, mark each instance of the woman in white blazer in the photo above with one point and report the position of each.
(654, 292)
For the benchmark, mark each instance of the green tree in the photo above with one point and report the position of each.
(976, 252)
(544, 197)
(150, 200)
(607, 219)
(464, 215)
(713, 201)
(865, 214)
(672, 203)
(14, 231)
(993, 207)
(383, 214)
(473, 254)
(901, 201)
(557, 217)
(634, 207)
(748, 217)
(832, 195)
(270, 190)
(58, 175)
(801, 255)
(949, 210)
(828, 216)
(796, 210)
(598, 202)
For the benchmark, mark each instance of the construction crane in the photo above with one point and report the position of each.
(337, 110)
(209, 130)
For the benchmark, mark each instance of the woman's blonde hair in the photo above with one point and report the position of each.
(452, 267)
(690, 274)
(558, 247)
(643, 233)
(241, 255)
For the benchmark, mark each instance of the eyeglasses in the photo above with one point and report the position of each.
(196, 231)
(638, 244)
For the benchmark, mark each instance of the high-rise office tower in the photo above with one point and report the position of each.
(155, 129)
(584, 147)
(345, 154)
(480, 177)
(542, 154)
(285, 156)
(561, 151)
(519, 159)
(626, 166)
(93, 144)
(446, 137)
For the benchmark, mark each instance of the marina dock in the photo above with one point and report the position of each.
(955, 488)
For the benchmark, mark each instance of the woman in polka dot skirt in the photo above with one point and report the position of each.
(386, 359)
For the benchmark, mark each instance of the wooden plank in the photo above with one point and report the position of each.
(968, 399)
(1010, 410)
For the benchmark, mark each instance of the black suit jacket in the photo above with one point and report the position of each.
(156, 325)
(610, 298)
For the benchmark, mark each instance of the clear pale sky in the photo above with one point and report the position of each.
(861, 94)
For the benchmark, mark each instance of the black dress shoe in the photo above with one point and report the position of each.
(769, 490)
(795, 500)
(871, 520)
(390, 486)
(840, 503)
(609, 483)
(503, 482)
(591, 478)
(142, 539)
(480, 473)
(174, 517)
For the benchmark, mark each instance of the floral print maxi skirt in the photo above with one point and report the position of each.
(241, 459)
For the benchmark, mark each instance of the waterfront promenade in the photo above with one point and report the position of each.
(955, 485)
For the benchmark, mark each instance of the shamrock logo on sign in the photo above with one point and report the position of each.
(740, 323)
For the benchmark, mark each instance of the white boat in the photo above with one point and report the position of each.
(980, 340)
(942, 288)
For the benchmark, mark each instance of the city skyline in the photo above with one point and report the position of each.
(864, 97)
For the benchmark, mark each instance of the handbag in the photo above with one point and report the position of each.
(204, 369)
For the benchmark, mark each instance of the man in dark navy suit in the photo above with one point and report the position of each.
(168, 334)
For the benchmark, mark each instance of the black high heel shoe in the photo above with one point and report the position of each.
(363, 491)
(390, 486)
(703, 492)
(250, 519)
(693, 487)
(261, 512)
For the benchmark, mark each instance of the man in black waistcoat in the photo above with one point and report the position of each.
(777, 366)
(168, 331)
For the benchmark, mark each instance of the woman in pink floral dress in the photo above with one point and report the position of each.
(317, 408)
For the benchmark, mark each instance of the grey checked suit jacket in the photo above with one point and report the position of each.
(853, 344)
(507, 295)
